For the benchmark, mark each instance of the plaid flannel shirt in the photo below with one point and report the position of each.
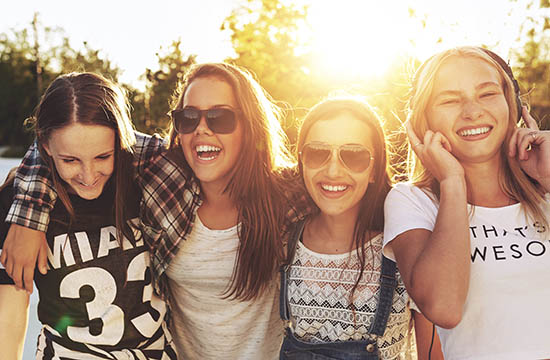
(170, 198)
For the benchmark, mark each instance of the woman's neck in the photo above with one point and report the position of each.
(329, 234)
(483, 184)
(218, 211)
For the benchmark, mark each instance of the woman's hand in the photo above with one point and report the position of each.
(531, 146)
(22, 248)
(435, 154)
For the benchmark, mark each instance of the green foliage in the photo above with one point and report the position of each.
(263, 34)
(29, 60)
(151, 107)
(533, 61)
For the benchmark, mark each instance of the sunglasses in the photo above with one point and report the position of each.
(220, 120)
(354, 157)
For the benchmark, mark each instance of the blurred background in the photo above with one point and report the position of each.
(300, 51)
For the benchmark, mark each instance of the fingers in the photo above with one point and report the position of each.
(440, 139)
(529, 120)
(413, 139)
(43, 258)
(522, 141)
(16, 273)
(28, 276)
(526, 140)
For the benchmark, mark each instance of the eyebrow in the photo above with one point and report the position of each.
(478, 87)
(108, 152)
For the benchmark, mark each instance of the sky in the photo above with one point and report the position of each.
(350, 35)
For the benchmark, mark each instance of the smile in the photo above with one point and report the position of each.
(207, 152)
(334, 188)
(474, 132)
(83, 184)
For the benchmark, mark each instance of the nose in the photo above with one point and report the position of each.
(88, 173)
(334, 167)
(203, 128)
(471, 109)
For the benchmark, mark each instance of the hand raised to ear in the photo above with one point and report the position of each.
(435, 154)
(531, 147)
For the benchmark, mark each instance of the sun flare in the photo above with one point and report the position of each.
(362, 39)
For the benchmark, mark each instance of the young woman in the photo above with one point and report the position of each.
(213, 208)
(96, 299)
(342, 297)
(469, 232)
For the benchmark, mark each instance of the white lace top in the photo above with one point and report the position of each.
(319, 296)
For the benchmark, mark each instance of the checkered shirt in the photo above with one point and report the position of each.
(170, 198)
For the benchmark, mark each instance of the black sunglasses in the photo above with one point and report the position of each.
(354, 157)
(220, 120)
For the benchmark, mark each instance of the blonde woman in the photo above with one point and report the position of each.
(470, 231)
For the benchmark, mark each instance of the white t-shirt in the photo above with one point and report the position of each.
(507, 310)
(207, 326)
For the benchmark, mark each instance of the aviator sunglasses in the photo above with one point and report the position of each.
(354, 157)
(220, 120)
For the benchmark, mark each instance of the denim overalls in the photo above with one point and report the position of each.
(294, 349)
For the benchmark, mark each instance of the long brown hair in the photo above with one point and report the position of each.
(512, 180)
(88, 98)
(256, 184)
(371, 205)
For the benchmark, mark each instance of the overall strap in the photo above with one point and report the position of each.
(295, 236)
(388, 282)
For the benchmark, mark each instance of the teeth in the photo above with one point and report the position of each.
(205, 148)
(86, 185)
(334, 187)
(472, 132)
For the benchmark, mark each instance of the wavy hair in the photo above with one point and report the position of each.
(256, 182)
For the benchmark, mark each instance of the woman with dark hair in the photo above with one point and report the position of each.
(342, 297)
(214, 208)
(95, 300)
(470, 231)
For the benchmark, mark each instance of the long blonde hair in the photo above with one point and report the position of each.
(512, 180)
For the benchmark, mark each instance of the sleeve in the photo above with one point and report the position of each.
(146, 150)
(407, 207)
(34, 195)
(299, 203)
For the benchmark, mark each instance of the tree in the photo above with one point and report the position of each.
(30, 58)
(533, 60)
(264, 37)
(151, 107)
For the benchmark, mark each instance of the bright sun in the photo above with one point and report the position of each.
(362, 38)
(357, 38)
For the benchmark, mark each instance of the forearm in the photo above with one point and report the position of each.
(13, 321)
(440, 276)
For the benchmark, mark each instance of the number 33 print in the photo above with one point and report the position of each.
(102, 307)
